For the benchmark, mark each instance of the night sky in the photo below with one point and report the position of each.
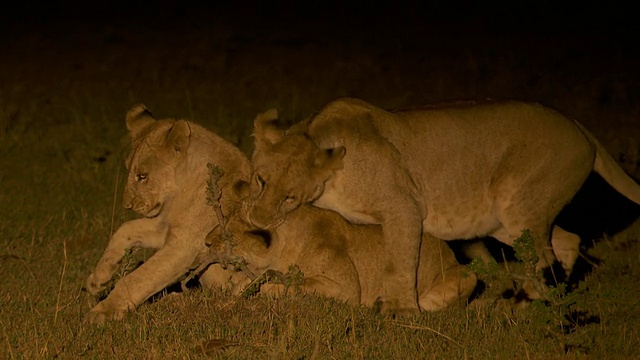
(548, 51)
(406, 21)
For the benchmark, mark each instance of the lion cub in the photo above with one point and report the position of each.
(341, 260)
(457, 171)
(166, 185)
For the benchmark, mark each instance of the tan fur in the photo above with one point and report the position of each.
(343, 261)
(456, 172)
(166, 184)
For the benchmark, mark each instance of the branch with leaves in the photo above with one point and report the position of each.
(221, 235)
(524, 251)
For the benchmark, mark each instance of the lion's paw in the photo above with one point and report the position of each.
(394, 309)
(102, 313)
(93, 285)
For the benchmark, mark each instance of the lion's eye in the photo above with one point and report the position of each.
(141, 177)
(291, 199)
(259, 181)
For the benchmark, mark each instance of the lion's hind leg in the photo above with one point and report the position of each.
(566, 247)
(327, 273)
(316, 285)
(442, 281)
(333, 274)
(454, 286)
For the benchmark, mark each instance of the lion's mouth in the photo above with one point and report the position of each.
(154, 211)
(270, 224)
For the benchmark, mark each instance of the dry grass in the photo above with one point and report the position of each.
(62, 106)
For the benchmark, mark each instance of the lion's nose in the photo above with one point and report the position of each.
(255, 220)
(251, 222)
(127, 199)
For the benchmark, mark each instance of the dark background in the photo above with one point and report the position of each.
(405, 20)
(231, 60)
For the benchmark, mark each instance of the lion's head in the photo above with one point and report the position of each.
(157, 148)
(288, 169)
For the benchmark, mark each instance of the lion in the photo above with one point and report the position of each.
(455, 171)
(339, 260)
(166, 184)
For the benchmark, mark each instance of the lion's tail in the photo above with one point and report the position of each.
(611, 172)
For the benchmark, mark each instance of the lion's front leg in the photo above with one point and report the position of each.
(141, 232)
(162, 269)
(402, 237)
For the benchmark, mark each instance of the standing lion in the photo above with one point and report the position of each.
(457, 171)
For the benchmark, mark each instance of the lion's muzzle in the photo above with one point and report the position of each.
(259, 217)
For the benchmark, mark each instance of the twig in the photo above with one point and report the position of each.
(64, 269)
(6, 337)
(589, 261)
(115, 197)
(428, 329)
(214, 194)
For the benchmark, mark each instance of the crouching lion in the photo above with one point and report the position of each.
(166, 185)
(456, 171)
(340, 260)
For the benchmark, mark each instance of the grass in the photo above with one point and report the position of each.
(62, 106)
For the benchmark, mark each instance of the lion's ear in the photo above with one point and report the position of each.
(265, 127)
(330, 159)
(179, 136)
(138, 117)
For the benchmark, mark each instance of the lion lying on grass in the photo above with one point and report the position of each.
(456, 172)
(340, 260)
(167, 185)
